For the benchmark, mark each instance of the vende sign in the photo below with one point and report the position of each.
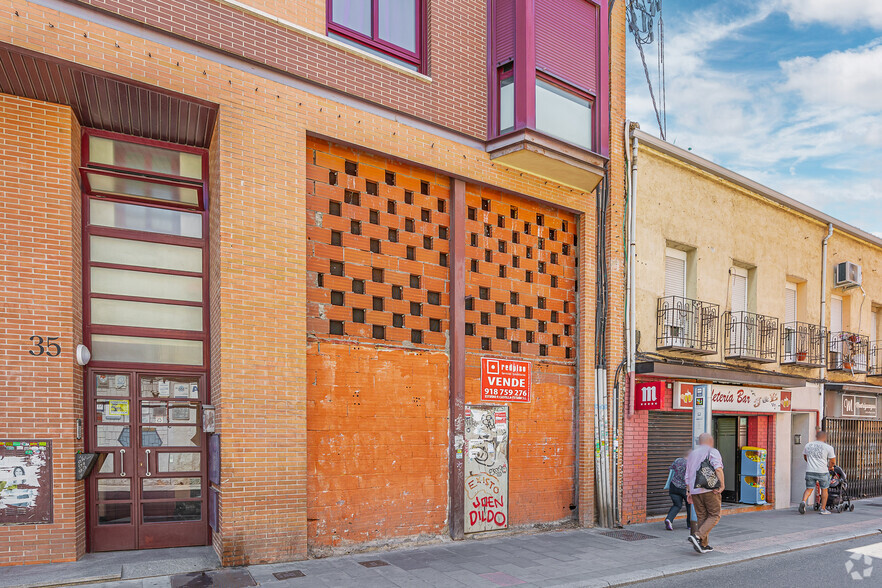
(505, 380)
(735, 398)
(648, 395)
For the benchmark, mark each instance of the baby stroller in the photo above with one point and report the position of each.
(838, 499)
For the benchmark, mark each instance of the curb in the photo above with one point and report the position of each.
(639, 577)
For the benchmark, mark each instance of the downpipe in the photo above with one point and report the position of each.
(824, 320)
(631, 146)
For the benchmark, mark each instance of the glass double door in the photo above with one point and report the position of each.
(150, 491)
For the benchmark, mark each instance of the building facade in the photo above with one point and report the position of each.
(739, 288)
(288, 235)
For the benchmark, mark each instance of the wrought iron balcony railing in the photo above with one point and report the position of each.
(687, 325)
(803, 344)
(848, 352)
(874, 368)
(750, 336)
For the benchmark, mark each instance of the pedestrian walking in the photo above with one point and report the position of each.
(705, 484)
(676, 488)
(820, 459)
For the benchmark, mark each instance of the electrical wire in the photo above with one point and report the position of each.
(641, 15)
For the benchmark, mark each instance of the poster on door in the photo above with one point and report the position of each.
(25, 482)
(486, 468)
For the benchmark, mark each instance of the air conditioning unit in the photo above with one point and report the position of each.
(847, 275)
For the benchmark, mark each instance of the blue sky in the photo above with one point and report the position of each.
(786, 92)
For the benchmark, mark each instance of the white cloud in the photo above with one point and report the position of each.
(811, 129)
(839, 79)
(842, 13)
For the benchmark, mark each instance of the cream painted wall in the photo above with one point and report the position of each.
(723, 226)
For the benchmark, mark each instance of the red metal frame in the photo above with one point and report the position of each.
(199, 187)
(414, 58)
(203, 371)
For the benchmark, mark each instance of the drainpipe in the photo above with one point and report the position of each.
(824, 317)
(630, 287)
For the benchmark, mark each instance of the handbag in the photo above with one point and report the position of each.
(706, 476)
(670, 477)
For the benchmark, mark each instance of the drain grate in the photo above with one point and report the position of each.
(374, 563)
(288, 574)
(625, 535)
(216, 579)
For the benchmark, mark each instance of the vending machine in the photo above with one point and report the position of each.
(753, 475)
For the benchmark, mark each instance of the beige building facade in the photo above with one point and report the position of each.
(736, 289)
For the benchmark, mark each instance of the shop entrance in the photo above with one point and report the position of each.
(151, 489)
(730, 434)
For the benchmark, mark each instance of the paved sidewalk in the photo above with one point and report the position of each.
(574, 557)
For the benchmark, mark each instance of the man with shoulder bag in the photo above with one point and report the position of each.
(705, 481)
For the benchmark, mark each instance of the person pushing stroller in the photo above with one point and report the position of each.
(820, 459)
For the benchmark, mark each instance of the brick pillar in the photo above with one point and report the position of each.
(40, 293)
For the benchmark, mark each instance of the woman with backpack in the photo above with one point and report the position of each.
(705, 485)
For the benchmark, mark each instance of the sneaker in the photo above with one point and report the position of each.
(802, 507)
(823, 511)
(668, 525)
(696, 545)
(707, 548)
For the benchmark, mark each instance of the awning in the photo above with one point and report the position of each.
(862, 388)
(106, 101)
(716, 374)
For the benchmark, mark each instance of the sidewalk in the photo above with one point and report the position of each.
(574, 557)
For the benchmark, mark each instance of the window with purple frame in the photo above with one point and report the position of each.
(392, 29)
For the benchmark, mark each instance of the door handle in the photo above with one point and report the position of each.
(122, 462)
(147, 459)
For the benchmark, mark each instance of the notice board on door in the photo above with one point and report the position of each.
(486, 468)
(25, 482)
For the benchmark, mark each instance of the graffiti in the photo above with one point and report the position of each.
(486, 481)
(25, 482)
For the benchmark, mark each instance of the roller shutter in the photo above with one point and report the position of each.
(669, 437)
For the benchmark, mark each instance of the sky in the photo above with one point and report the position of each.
(785, 92)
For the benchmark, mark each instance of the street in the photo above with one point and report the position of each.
(828, 565)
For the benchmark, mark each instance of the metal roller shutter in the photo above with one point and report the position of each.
(669, 437)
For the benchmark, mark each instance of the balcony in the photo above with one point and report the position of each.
(688, 326)
(874, 368)
(803, 344)
(750, 336)
(848, 352)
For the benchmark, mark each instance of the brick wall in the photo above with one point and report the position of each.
(258, 245)
(521, 288)
(457, 50)
(377, 365)
(40, 294)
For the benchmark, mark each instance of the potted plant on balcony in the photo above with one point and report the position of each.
(801, 355)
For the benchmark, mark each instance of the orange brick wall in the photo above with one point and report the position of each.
(521, 277)
(377, 366)
(376, 445)
(40, 294)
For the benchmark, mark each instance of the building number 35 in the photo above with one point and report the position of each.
(45, 346)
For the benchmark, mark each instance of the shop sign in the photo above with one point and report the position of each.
(648, 395)
(735, 398)
(859, 406)
(505, 380)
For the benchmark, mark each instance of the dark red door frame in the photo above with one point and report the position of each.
(203, 370)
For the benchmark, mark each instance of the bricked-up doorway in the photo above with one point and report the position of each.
(145, 321)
